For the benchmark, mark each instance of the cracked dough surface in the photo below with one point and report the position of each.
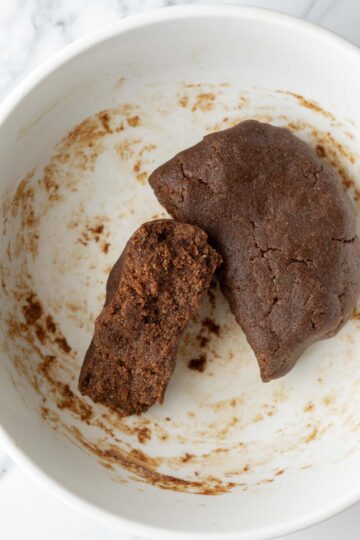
(285, 228)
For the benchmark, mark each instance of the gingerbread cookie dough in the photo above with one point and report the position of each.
(152, 291)
(285, 228)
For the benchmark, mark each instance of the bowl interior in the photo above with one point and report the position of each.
(75, 155)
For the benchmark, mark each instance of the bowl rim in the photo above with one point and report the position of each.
(29, 83)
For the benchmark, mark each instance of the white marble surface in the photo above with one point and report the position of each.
(30, 32)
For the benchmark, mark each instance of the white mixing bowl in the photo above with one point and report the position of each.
(226, 456)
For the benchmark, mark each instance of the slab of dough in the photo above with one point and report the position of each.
(152, 291)
(285, 228)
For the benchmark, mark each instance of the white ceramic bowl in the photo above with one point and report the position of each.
(278, 456)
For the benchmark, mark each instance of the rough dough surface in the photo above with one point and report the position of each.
(285, 228)
(152, 291)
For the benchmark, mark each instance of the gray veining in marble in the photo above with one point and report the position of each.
(32, 30)
(5, 464)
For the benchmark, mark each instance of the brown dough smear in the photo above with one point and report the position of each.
(285, 228)
(152, 291)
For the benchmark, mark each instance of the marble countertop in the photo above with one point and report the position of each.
(30, 32)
